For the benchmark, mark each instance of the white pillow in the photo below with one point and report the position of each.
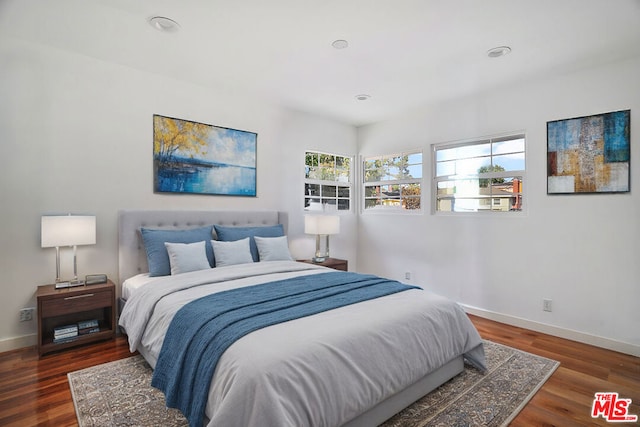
(273, 248)
(185, 257)
(230, 253)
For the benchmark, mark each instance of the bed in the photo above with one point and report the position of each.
(354, 365)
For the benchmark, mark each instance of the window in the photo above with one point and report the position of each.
(327, 181)
(479, 176)
(393, 182)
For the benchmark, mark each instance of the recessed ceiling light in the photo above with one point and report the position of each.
(499, 51)
(340, 44)
(363, 97)
(163, 24)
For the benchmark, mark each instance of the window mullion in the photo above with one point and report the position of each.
(500, 174)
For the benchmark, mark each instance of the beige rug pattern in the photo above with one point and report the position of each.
(120, 394)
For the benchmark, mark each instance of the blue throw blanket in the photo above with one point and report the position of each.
(202, 330)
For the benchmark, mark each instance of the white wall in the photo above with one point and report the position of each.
(76, 136)
(581, 251)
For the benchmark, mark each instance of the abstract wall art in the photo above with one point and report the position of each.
(191, 157)
(589, 154)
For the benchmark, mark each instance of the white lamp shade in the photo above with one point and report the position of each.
(68, 230)
(322, 224)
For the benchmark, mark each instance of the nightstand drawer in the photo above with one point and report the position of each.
(74, 303)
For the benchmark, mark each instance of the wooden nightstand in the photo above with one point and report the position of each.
(61, 307)
(335, 263)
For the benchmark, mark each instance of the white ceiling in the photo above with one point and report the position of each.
(404, 53)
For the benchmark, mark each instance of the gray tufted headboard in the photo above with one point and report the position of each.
(132, 258)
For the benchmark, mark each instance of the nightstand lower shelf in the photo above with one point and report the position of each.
(48, 345)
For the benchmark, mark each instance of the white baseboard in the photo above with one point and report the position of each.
(18, 342)
(569, 334)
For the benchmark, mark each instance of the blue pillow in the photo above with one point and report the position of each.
(157, 255)
(230, 234)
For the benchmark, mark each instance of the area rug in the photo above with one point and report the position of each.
(119, 394)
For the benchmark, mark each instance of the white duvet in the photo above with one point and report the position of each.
(284, 375)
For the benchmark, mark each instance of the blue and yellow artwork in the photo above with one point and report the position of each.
(589, 154)
(191, 157)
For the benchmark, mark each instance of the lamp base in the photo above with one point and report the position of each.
(69, 284)
(61, 285)
(318, 259)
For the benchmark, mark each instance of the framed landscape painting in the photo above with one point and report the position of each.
(196, 158)
(589, 154)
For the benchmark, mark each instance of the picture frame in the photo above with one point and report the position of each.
(197, 158)
(589, 154)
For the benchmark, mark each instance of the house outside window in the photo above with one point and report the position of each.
(393, 182)
(327, 183)
(484, 175)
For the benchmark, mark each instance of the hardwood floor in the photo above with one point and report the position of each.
(567, 397)
(36, 392)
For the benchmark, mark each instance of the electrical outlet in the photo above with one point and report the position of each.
(546, 305)
(407, 275)
(26, 314)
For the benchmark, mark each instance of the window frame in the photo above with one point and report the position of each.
(325, 207)
(521, 173)
(400, 182)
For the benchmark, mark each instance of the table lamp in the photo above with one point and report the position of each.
(67, 230)
(321, 225)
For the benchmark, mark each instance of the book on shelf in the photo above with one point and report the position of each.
(65, 331)
(58, 340)
(66, 328)
(86, 324)
(64, 334)
(88, 327)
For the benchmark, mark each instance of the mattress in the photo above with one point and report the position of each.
(130, 285)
